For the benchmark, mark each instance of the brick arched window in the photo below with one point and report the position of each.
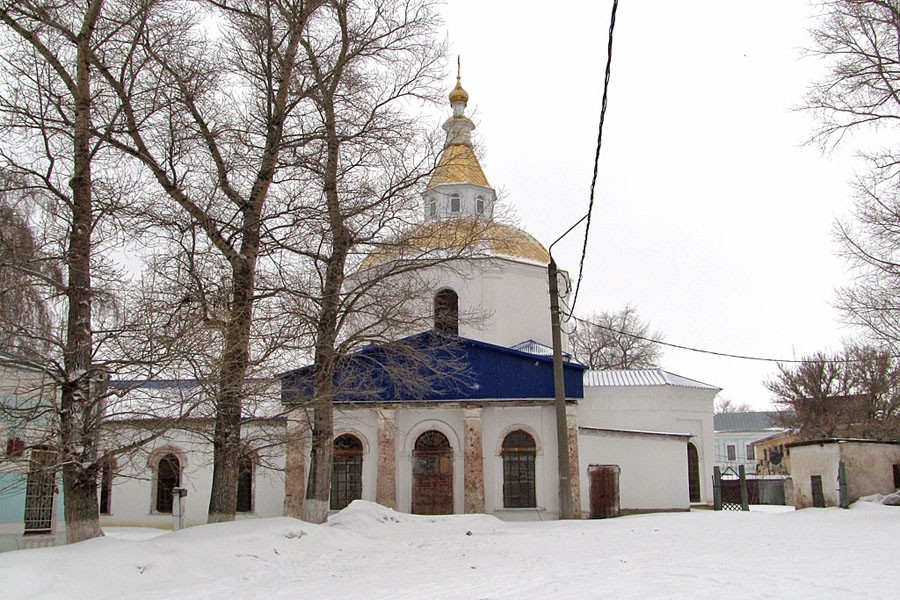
(168, 477)
(346, 471)
(446, 312)
(518, 451)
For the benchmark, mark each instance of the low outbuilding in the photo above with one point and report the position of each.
(821, 468)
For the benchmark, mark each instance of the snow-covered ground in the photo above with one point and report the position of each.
(368, 551)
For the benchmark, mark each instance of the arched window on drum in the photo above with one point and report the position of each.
(446, 312)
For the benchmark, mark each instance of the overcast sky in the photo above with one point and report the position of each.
(711, 215)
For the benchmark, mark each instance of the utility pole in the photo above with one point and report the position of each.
(559, 386)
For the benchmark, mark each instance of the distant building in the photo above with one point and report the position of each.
(774, 452)
(735, 433)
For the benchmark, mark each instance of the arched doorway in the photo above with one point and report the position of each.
(432, 492)
(693, 472)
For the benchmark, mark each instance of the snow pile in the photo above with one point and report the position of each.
(368, 551)
(368, 517)
(887, 500)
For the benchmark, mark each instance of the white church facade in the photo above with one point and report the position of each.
(485, 442)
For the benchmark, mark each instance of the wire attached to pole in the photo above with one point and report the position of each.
(587, 228)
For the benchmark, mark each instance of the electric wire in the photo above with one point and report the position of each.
(587, 227)
(714, 352)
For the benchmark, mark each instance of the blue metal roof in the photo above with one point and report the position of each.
(433, 367)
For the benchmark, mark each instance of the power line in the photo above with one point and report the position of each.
(587, 227)
(714, 352)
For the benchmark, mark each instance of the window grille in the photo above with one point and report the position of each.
(519, 450)
(346, 474)
(40, 491)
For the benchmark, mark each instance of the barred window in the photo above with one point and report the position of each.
(346, 471)
(519, 450)
(40, 491)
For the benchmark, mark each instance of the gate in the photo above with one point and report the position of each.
(730, 489)
(604, 492)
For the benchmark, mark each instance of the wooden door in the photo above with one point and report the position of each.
(693, 460)
(432, 492)
(604, 491)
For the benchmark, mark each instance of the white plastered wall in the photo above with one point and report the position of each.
(132, 498)
(653, 468)
(657, 408)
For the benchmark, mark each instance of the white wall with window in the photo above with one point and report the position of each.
(137, 489)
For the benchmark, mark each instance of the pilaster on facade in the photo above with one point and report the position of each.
(473, 461)
(572, 442)
(386, 479)
(295, 443)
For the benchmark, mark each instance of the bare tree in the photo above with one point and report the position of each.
(49, 105)
(855, 392)
(208, 113)
(370, 62)
(616, 340)
(727, 405)
(860, 42)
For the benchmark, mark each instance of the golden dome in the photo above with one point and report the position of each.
(458, 94)
(458, 164)
(467, 237)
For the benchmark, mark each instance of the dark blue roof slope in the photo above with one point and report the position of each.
(433, 367)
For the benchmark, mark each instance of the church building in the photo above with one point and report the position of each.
(480, 442)
(637, 440)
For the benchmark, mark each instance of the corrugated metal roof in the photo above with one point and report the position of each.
(745, 421)
(640, 377)
(533, 347)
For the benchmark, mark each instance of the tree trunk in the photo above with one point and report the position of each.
(82, 512)
(232, 372)
(318, 492)
(78, 417)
